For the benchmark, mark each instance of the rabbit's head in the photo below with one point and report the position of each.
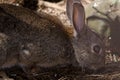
(88, 45)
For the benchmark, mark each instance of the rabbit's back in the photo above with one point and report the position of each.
(33, 39)
(29, 16)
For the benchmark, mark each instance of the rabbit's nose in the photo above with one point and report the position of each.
(25, 51)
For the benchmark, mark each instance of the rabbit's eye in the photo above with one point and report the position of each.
(97, 49)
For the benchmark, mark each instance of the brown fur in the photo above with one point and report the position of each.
(45, 41)
(39, 40)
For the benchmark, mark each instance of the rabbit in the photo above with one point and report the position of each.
(35, 40)
(26, 43)
(88, 46)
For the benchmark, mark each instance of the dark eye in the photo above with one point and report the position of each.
(96, 49)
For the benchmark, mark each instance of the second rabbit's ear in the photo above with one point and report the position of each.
(78, 16)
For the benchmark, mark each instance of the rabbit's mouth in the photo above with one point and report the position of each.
(90, 61)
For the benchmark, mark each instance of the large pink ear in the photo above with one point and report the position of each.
(78, 17)
(76, 14)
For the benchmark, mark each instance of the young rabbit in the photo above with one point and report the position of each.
(45, 45)
(88, 46)
(36, 40)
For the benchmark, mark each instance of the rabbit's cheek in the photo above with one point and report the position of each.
(3, 48)
(80, 55)
(87, 59)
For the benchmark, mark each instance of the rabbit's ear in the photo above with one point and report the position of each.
(78, 16)
(69, 9)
